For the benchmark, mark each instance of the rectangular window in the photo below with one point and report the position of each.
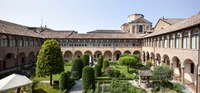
(171, 43)
(177, 42)
(166, 43)
(185, 42)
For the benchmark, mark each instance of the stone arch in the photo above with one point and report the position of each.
(117, 54)
(166, 60)
(21, 58)
(147, 55)
(31, 57)
(88, 52)
(9, 61)
(144, 58)
(189, 71)
(158, 59)
(108, 55)
(127, 52)
(68, 55)
(77, 54)
(97, 54)
(136, 52)
(153, 58)
(177, 68)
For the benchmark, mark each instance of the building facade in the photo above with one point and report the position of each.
(172, 42)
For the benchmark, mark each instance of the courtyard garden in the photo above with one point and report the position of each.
(128, 74)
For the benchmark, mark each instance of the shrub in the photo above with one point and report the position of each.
(116, 73)
(77, 66)
(88, 79)
(109, 71)
(100, 61)
(64, 80)
(105, 64)
(120, 86)
(85, 59)
(97, 70)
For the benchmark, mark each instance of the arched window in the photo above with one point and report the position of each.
(166, 42)
(177, 44)
(185, 39)
(4, 41)
(171, 41)
(195, 39)
(160, 41)
(140, 28)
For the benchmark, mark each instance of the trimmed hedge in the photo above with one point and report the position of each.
(100, 61)
(77, 66)
(97, 70)
(64, 80)
(88, 78)
(105, 64)
(85, 59)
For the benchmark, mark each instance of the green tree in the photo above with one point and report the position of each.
(85, 59)
(163, 74)
(64, 81)
(100, 61)
(97, 70)
(49, 60)
(77, 66)
(105, 64)
(88, 78)
(127, 61)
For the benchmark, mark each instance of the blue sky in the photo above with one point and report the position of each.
(88, 15)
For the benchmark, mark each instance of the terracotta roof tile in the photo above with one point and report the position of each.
(106, 35)
(172, 20)
(15, 29)
(49, 33)
(191, 21)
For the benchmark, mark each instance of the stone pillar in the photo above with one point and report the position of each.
(163, 41)
(189, 40)
(183, 77)
(174, 40)
(136, 26)
(171, 64)
(168, 41)
(131, 28)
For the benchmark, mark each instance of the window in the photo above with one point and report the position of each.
(26, 42)
(177, 44)
(4, 41)
(185, 39)
(166, 43)
(140, 28)
(160, 42)
(31, 42)
(171, 41)
(192, 68)
(20, 42)
(13, 42)
(35, 42)
(195, 39)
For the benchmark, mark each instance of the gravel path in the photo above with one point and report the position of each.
(77, 88)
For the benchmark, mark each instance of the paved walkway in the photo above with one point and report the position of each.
(77, 88)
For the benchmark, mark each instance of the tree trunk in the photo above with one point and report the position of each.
(18, 90)
(51, 80)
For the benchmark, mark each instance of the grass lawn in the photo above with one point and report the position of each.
(55, 77)
(123, 69)
(46, 88)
